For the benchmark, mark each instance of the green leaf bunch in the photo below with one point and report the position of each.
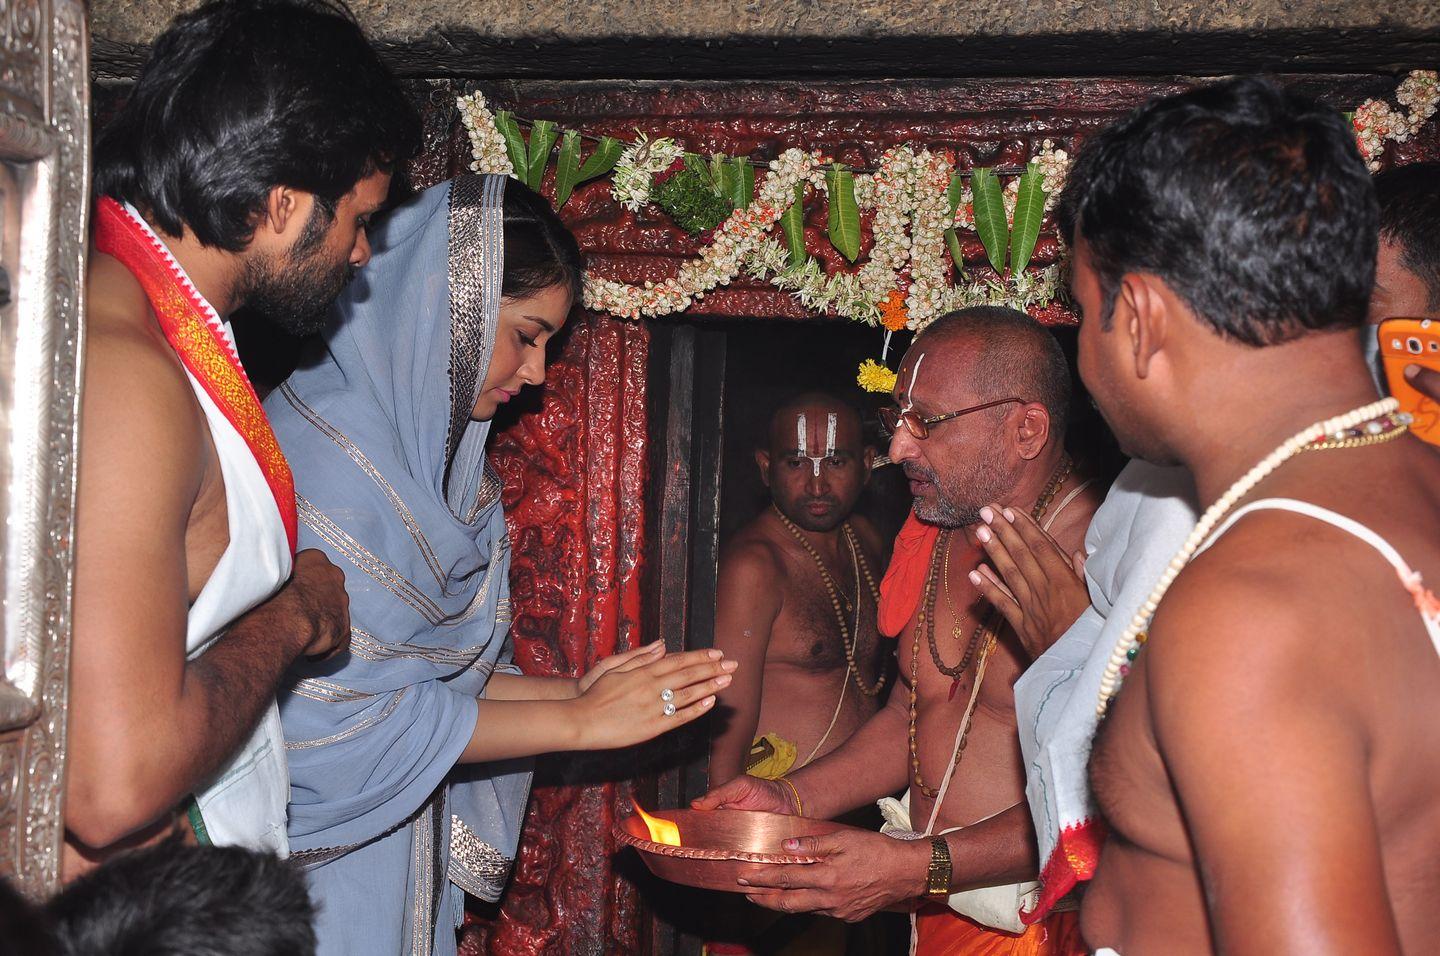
(1003, 241)
(690, 199)
(569, 172)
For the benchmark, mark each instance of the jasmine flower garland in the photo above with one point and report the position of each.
(906, 197)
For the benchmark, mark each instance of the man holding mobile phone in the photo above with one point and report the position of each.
(1407, 270)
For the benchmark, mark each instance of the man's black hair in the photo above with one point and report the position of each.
(1251, 202)
(178, 900)
(241, 96)
(1410, 218)
(25, 928)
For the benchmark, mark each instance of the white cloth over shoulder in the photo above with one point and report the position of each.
(1137, 530)
(244, 804)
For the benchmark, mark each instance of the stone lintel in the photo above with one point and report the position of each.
(728, 39)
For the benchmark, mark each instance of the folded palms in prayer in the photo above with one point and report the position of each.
(1039, 590)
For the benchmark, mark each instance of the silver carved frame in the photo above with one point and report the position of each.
(45, 152)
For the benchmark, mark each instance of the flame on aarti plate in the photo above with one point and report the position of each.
(661, 831)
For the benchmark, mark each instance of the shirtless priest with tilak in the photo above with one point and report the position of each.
(981, 401)
(796, 605)
(1267, 757)
(796, 599)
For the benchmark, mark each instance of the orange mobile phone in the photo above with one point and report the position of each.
(1412, 342)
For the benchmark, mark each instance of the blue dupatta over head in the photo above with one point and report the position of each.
(391, 483)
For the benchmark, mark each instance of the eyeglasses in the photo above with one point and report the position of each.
(919, 428)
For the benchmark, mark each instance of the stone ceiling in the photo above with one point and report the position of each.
(852, 38)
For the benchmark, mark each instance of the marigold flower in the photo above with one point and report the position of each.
(893, 314)
(874, 377)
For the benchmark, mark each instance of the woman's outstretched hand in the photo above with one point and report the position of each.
(629, 660)
(640, 699)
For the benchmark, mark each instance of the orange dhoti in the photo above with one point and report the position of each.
(940, 931)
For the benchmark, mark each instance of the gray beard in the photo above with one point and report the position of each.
(944, 513)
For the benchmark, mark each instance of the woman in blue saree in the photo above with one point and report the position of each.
(409, 756)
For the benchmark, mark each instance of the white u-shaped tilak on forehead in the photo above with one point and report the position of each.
(910, 389)
(802, 440)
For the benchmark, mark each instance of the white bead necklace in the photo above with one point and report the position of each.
(1129, 642)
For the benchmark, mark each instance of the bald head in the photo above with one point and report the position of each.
(1000, 353)
(1008, 370)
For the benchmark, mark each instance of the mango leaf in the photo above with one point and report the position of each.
(990, 222)
(744, 184)
(844, 226)
(955, 192)
(514, 142)
(952, 241)
(726, 173)
(606, 155)
(567, 167)
(1029, 210)
(792, 223)
(542, 141)
(698, 165)
(719, 163)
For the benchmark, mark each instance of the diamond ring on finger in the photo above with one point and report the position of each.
(669, 710)
(667, 695)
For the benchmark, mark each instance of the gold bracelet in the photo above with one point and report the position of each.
(937, 878)
(799, 807)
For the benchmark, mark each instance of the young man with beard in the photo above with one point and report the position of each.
(981, 398)
(242, 171)
(1267, 760)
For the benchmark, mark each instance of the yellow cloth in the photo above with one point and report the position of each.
(771, 756)
(940, 931)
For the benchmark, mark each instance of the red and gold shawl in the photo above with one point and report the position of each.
(195, 332)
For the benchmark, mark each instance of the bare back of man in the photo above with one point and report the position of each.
(1267, 759)
(1282, 616)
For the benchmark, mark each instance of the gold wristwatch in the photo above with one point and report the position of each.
(937, 878)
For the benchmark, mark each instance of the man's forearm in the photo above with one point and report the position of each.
(997, 851)
(153, 755)
(870, 765)
(727, 757)
(228, 688)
